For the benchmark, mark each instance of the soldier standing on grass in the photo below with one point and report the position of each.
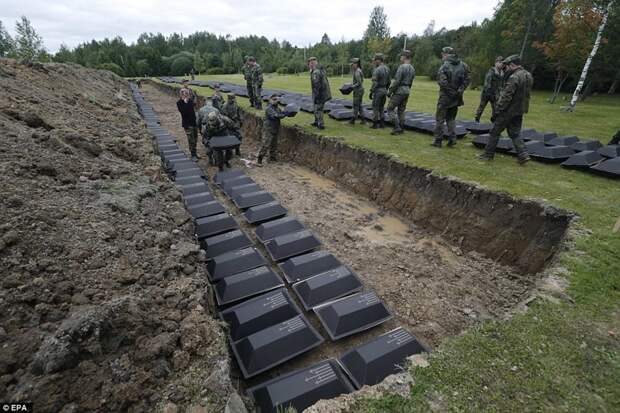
(271, 129)
(321, 92)
(513, 103)
(491, 88)
(358, 91)
(233, 112)
(246, 69)
(453, 79)
(256, 77)
(378, 90)
(185, 105)
(400, 90)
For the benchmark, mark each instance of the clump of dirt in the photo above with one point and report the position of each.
(102, 294)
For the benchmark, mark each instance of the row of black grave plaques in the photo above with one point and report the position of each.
(569, 151)
(266, 326)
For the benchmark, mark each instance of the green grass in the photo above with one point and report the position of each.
(558, 356)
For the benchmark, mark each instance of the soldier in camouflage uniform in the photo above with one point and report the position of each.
(233, 112)
(321, 91)
(513, 103)
(256, 77)
(378, 90)
(358, 91)
(217, 100)
(491, 88)
(271, 129)
(218, 125)
(185, 106)
(399, 91)
(246, 70)
(453, 79)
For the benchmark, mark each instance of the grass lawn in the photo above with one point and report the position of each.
(560, 355)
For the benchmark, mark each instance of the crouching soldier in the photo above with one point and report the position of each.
(218, 125)
(271, 129)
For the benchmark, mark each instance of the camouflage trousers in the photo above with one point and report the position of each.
(250, 92)
(398, 102)
(445, 116)
(484, 100)
(513, 124)
(192, 138)
(358, 96)
(378, 103)
(257, 90)
(268, 145)
(318, 113)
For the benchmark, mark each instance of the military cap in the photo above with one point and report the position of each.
(274, 96)
(378, 56)
(406, 54)
(311, 58)
(499, 59)
(515, 58)
(251, 59)
(355, 60)
(447, 50)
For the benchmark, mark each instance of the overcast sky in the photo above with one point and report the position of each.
(301, 22)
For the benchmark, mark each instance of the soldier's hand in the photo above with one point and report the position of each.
(493, 118)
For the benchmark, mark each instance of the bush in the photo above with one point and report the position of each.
(330, 71)
(216, 71)
(181, 65)
(283, 70)
(112, 67)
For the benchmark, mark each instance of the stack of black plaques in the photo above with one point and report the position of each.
(234, 262)
(267, 331)
(564, 141)
(291, 109)
(346, 89)
(327, 286)
(265, 212)
(290, 245)
(301, 388)
(305, 266)
(583, 160)
(352, 314)
(610, 168)
(588, 145)
(270, 230)
(610, 151)
(372, 362)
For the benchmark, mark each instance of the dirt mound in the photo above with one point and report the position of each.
(102, 293)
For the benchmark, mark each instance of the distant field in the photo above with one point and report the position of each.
(560, 355)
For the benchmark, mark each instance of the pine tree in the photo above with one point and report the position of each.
(377, 26)
(28, 43)
(6, 43)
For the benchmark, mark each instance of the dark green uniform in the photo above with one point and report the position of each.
(257, 85)
(490, 92)
(271, 129)
(399, 94)
(217, 100)
(378, 92)
(218, 125)
(358, 95)
(453, 78)
(321, 93)
(246, 69)
(233, 112)
(513, 103)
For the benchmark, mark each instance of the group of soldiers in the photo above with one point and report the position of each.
(507, 88)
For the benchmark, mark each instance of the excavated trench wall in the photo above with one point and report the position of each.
(520, 233)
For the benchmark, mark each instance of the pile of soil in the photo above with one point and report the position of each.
(102, 294)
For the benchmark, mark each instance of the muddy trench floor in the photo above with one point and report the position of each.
(433, 289)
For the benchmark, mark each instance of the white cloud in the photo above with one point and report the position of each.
(301, 22)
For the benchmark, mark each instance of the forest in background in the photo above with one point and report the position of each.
(554, 37)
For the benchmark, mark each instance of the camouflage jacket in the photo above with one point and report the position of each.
(203, 113)
(245, 69)
(514, 99)
(492, 83)
(321, 92)
(380, 78)
(453, 79)
(233, 112)
(273, 114)
(358, 80)
(217, 101)
(403, 80)
(256, 75)
(220, 126)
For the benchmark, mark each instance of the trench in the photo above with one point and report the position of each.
(442, 254)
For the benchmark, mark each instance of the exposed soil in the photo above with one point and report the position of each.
(102, 288)
(435, 289)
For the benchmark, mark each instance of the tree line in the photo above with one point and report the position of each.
(554, 38)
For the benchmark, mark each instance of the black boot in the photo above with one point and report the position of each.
(396, 132)
(259, 161)
(382, 124)
(436, 143)
(352, 121)
(477, 119)
(375, 125)
(363, 121)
